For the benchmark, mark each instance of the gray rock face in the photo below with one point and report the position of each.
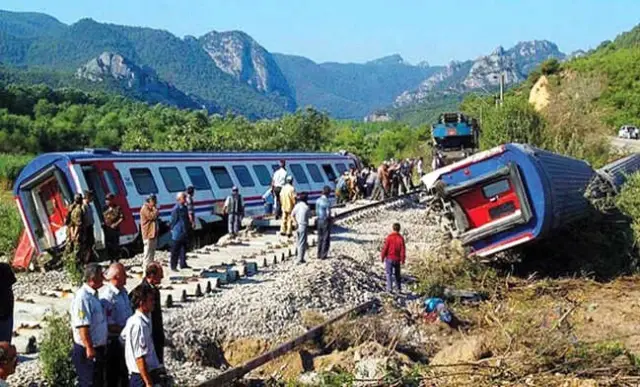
(484, 72)
(137, 82)
(240, 56)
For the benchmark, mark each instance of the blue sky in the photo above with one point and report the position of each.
(360, 30)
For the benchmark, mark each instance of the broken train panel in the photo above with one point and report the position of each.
(510, 195)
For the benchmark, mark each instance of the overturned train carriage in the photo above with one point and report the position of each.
(46, 187)
(515, 193)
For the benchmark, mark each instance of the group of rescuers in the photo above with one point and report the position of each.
(119, 337)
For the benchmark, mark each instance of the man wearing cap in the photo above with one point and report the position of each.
(89, 325)
(113, 217)
(277, 182)
(117, 307)
(8, 361)
(234, 209)
(149, 229)
(88, 239)
(180, 227)
(287, 201)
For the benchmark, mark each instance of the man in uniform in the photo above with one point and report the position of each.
(89, 324)
(117, 307)
(301, 214)
(152, 279)
(277, 182)
(234, 209)
(88, 239)
(287, 201)
(149, 229)
(75, 227)
(8, 361)
(323, 223)
(113, 217)
(140, 354)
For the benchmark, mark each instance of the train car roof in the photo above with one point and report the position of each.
(45, 160)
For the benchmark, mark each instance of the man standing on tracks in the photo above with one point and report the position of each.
(393, 255)
(88, 239)
(301, 214)
(7, 279)
(89, 324)
(149, 227)
(234, 209)
(117, 307)
(323, 223)
(277, 182)
(113, 217)
(139, 352)
(152, 279)
(180, 226)
(287, 201)
(191, 207)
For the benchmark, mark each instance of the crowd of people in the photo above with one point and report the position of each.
(391, 178)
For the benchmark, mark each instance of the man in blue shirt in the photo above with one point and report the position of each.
(180, 227)
(323, 223)
(117, 307)
(89, 325)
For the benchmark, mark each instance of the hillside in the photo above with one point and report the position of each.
(350, 90)
(180, 62)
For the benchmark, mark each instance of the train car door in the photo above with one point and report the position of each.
(204, 196)
(51, 197)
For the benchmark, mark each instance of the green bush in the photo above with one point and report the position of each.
(11, 227)
(55, 351)
(72, 267)
(10, 167)
(628, 201)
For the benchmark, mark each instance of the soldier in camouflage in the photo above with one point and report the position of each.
(74, 224)
(87, 236)
(113, 217)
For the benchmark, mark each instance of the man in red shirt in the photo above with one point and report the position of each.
(393, 255)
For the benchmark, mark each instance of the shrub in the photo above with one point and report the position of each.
(55, 351)
(72, 267)
(628, 201)
(10, 168)
(11, 227)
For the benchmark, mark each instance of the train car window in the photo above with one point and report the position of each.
(341, 168)
(172, 179)
(352, 166)
(111, 182)
(314, 171)
(198, 178)
(298, 174)
(243, 175)
(328, 170)
(275, 167)
(263, 175)
(222, 177)
(492, 190)
(143, 179)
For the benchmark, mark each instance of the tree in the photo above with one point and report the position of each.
(514, 121)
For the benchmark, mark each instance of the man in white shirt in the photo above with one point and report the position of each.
(277, 182)
(140, 355)
(8, 362)
(301, 214)
(89, 325)
(117, 307)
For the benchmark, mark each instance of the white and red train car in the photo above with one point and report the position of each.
(46, 187)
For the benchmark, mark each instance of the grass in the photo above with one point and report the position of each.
(11, 227)
(10, 167)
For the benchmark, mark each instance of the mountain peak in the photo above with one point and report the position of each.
(394, 59)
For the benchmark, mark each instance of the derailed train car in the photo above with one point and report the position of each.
(47, 184)
(515, 193)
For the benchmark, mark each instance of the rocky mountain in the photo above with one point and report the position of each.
(137, 82)
(240, 56)
(484, 73)
(350, 90)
